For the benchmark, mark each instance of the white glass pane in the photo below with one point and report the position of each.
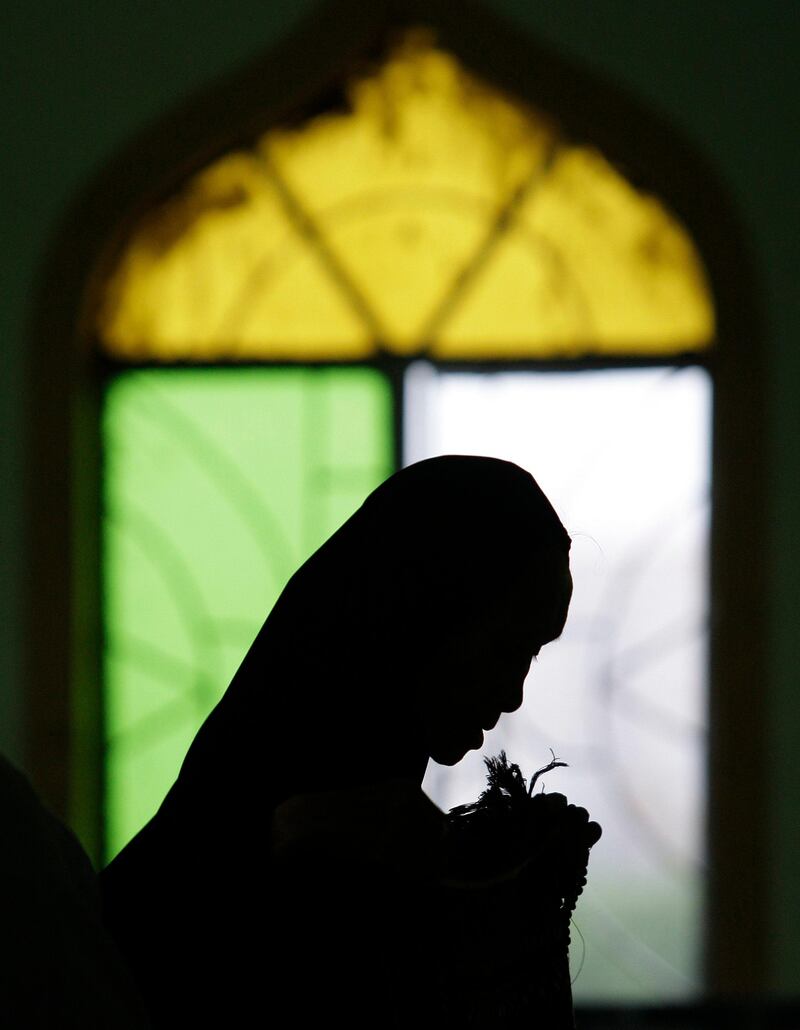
(625, 458)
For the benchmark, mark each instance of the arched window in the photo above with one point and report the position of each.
(416, 260)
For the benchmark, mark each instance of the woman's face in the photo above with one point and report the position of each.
(478, 672)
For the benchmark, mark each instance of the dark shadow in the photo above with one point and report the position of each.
(296, 874)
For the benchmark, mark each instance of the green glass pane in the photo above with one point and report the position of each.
(218, 484)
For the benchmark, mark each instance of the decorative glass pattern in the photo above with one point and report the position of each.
(426, 214)
(430, 213)
(218, 485)
(621, 697)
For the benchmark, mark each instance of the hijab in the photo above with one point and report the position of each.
(321, 700)
(426, 551)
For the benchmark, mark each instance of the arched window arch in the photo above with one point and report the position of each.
(402, 266)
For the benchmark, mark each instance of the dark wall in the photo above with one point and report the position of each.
(78, 80)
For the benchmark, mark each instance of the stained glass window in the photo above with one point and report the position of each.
(426, 215)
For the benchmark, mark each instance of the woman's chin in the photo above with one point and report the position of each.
(451, 752)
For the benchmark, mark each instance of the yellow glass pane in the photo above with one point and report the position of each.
(590, 266)
(406, 185)
(221, 271)
(431, 214)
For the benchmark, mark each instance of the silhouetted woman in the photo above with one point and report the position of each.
(286, 878)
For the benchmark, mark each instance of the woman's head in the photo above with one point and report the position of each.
(474, 569)
(412, 627)
(457, 572)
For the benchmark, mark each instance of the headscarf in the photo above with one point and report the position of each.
(321, 700)
(431, 547)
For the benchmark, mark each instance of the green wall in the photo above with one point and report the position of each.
(78, 80)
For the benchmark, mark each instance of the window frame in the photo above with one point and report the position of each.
(63, 637)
